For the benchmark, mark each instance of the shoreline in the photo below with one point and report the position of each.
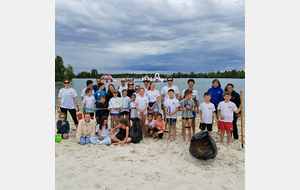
(152, 163)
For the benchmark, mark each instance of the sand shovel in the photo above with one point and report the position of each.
(241, 92)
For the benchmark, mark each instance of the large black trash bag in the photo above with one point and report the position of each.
(203, 146)
(135, 132)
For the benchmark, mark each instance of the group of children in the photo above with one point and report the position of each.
(136, 106)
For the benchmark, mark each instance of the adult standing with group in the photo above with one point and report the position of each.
(67, 101)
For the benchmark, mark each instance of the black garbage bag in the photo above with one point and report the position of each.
(203, 146)
(135, 132)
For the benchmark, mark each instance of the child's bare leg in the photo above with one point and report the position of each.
(146, 131)
(193, 125)
(174, 132)
(154, 114)
(209, 133)
(151, 132)
(114, 139)
(144, 121)
(169, 132)
(183, 129)
(189, 135)
(127, 117)
(112, 121)
(222, 136)
(228, 137)
(140, 116)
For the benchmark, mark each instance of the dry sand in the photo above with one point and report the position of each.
(150, 164)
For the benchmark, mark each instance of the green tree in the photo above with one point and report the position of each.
(69, 72)
(59, 68)
(84, 74)
(94, 73)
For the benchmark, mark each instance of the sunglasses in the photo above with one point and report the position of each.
(170, 80)
(130, 84)
(137, 89)
(66, 82)
(122, 81)
(61, 118)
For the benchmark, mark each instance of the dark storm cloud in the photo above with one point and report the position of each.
(138, 36)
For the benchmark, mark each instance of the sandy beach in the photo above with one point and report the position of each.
(150, 164)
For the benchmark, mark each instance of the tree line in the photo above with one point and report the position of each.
(62, 72)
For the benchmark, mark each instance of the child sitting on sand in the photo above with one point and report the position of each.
(85, 130)
(102, 132)
(122, 136)
(159, 126)
(114, 105)
(225, 109)
(187, 107)
(149, 124)
(63, 126)
(207, 114)
(171, 108)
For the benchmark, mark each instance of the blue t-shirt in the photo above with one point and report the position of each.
(97, 96)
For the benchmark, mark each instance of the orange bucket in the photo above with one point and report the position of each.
(79, 115)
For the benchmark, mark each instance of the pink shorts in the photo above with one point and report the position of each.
(225, 125)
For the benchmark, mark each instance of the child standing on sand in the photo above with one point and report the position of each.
(142, 104)
(114, 105)
(63, 126)
(225, 109)
(149, 124)
(89, 102)
(159, 126)
(171, 108)
(132, 108)
(125, 105)
(187, 107)
(104, 108)
(123, 135)
(207, 114)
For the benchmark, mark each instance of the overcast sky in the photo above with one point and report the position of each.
(163, 36)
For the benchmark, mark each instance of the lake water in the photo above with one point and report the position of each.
(201, 85)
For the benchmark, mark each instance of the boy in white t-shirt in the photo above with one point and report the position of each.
(89, 102)
(225, 109)
(207, 114)
(132, 108)
(149, 124)
(171, 108)
(89, 84)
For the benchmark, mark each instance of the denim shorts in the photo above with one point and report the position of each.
(114, 114)
(155, 109)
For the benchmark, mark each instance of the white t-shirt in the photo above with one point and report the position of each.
(142, 102)
(89, 103)
(136, 94)
(121, 88)
(83, 94)
(151, 124)
(227, 110)
(152, 95)
(125, 103)
(207, 112)
(67, 98)
(113, 103)
(133, 112)
(104, 132)
(194, 97)
(171, 105)
(164, 91)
